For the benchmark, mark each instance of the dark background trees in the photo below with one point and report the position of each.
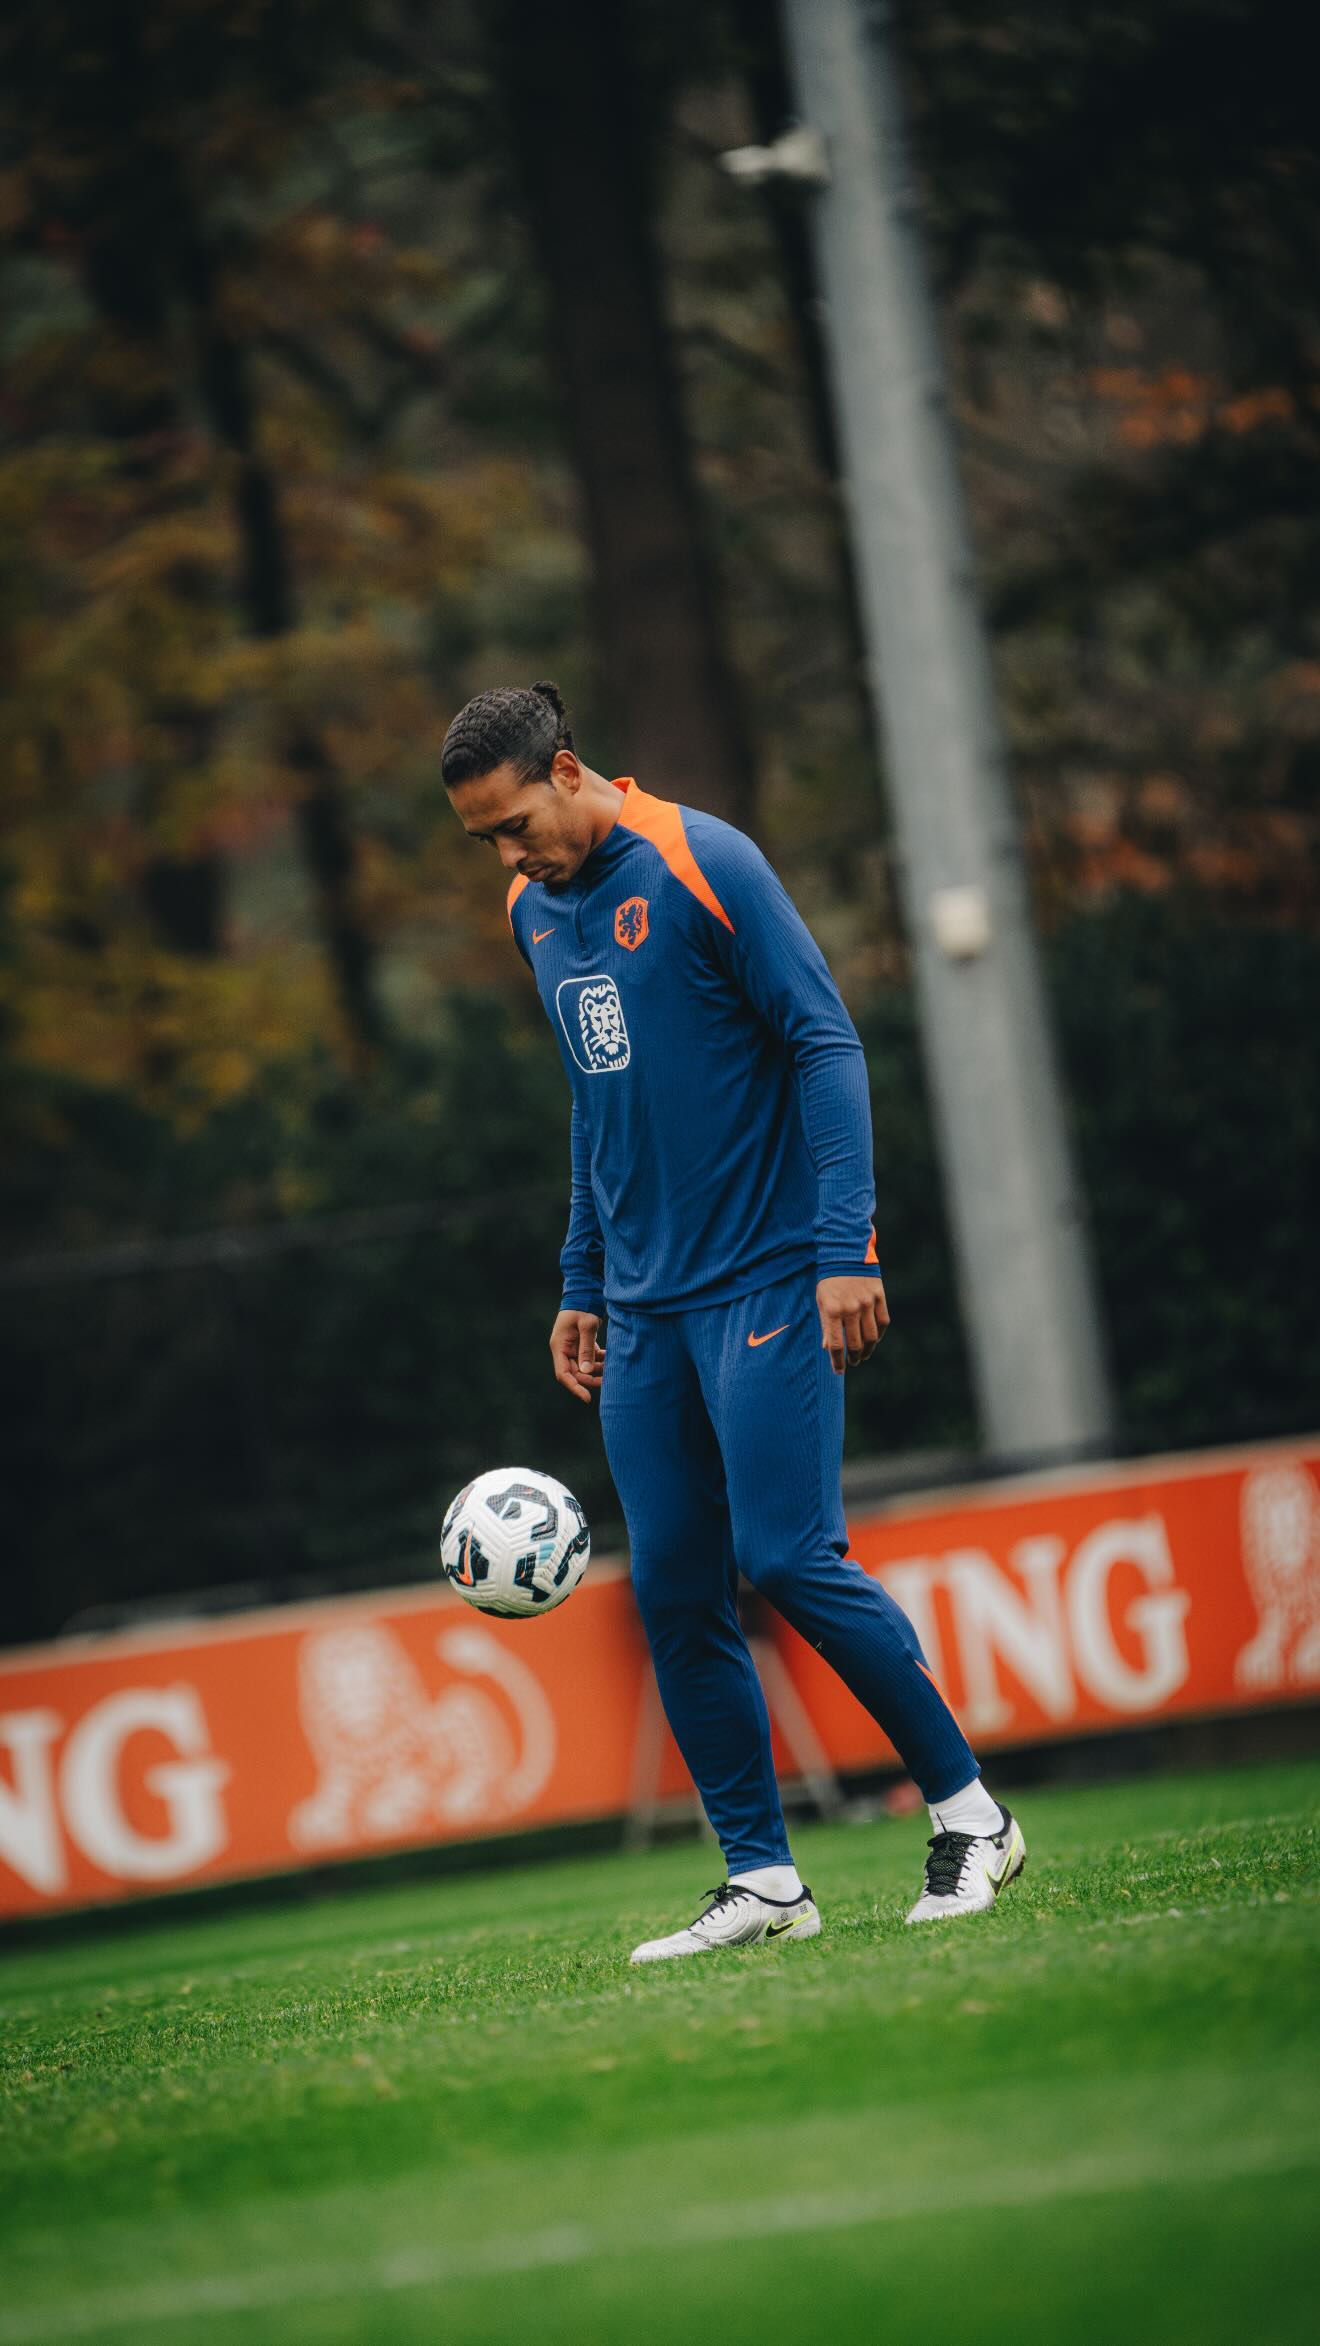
(323, 324)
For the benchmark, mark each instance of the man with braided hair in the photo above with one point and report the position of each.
(721, 1205)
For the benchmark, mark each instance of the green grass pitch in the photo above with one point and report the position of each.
(448, 2112)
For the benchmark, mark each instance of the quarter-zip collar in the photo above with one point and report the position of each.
(611, 850)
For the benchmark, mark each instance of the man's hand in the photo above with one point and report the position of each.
(853, 1318)
(577, 1353)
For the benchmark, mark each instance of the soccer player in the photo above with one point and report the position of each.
(721, 1216)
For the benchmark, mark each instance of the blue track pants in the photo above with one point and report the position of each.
(724, 1433)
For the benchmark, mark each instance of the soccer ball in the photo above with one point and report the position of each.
(515, 1542)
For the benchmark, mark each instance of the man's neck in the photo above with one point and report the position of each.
(605, 802)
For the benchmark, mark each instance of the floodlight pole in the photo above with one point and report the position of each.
(1028, 1294)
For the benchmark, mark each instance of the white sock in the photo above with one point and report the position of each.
(969, 1811)
(780, 1882)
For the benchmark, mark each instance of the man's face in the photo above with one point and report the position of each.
(541, 830)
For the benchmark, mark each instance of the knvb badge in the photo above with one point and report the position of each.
(591, 1015)
(632, 923)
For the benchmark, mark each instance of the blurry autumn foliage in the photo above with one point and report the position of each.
(303, 439)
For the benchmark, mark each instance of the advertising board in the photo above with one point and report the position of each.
(1050, 1606)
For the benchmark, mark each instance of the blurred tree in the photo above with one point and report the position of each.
(115, 118)
(207, 340)
(583, 129)
(137, 405)
(1128, 214)
(270, 610)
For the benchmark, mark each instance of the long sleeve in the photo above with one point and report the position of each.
(582, 1257)
(772, 956)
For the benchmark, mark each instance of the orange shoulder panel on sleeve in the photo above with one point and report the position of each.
(660, 821)
(516, 887)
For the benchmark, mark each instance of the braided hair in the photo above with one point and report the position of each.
(517, 725)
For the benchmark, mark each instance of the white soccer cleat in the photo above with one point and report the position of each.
(735, 1918)
(965, 1872)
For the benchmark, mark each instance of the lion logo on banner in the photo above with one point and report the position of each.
(1281, 1553)
(632, 923)
(393, 1761)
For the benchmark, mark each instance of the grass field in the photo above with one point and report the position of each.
(449, 2112)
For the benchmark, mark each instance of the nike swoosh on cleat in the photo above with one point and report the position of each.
(755, 1340)
(776, 1930)
(1004, 1876)
(539, 935)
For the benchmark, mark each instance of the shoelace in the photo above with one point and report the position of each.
(948, 1855)
(723, 1895)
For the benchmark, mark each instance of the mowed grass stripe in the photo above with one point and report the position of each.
(467, 2193)
(704, 2226)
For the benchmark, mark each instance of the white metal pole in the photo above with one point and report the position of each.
(1026, 1279)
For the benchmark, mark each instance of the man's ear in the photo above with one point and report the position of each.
(566, 771)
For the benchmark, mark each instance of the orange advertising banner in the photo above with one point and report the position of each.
(137, 1763)
(1051, 1606)
(1065, 1603)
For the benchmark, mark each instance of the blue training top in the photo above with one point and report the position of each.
(721, 1118)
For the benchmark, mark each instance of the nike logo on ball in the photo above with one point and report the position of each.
(755, 1340)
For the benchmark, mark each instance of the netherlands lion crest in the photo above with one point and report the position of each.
(591, 1014)
(632, 923)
